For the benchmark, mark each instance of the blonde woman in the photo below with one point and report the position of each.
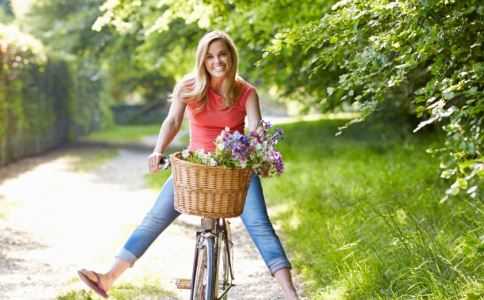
(215, 97)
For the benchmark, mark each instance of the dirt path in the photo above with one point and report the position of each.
(59, 220)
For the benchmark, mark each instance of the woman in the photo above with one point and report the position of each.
(215, 97)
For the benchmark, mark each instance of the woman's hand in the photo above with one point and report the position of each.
(154, 160)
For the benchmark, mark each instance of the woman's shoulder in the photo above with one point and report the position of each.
(244, 85)
(246, 89)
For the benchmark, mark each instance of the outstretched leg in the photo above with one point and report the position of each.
(161, 215)
(256, 220)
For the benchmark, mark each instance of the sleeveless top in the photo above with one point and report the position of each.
(206, 125)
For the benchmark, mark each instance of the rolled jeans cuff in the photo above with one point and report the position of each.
(127, 256)
(277, 264)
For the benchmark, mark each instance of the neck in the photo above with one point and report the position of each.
(217, 84)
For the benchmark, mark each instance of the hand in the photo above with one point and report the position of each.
(264, 170)
(154, 160)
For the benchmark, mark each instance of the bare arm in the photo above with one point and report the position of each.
(170, 126)
(168, 130)
(252, 107)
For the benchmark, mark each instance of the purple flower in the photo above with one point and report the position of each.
(277, 136)
(255, 150)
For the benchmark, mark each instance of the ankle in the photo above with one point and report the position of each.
(291, 294)
(110, 277)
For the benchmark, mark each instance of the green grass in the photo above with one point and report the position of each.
(156, 180)
(123, 292)
(130, 133)
(123, 133)
(362, 217)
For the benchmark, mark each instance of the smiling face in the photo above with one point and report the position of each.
(218, 60)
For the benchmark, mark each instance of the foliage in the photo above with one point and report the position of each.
(417, 58)
(6, 13)
(429, 52)
(251, 23)
(359, 216)
(43, 100)
(149, 65)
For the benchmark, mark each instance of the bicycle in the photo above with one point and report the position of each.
(212, 273)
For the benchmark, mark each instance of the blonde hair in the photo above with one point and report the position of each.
(194, 86)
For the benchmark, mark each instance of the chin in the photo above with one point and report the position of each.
(219, 75)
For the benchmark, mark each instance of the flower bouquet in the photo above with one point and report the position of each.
(256, 151)
(215, 184)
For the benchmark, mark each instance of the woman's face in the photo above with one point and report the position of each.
(218, 60)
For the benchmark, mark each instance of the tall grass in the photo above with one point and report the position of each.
(362, 217)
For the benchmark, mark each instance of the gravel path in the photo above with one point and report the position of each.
(58, 220)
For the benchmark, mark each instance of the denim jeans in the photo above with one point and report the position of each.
(254, 217)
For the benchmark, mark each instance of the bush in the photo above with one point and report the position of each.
(44, 101)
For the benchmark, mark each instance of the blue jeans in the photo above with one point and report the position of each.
(254, 217)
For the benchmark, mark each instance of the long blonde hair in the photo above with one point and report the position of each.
(194, 86)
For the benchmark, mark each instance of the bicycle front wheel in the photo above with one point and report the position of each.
(205, 274)
(225, 256)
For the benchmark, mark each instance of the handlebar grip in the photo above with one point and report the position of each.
(164, 163)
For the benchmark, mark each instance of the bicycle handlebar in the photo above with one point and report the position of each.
(164, 163)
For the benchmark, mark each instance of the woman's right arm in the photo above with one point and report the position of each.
(169, 128)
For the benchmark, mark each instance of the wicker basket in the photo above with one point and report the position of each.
(215, 192)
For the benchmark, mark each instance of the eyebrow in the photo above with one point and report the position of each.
(220, 52)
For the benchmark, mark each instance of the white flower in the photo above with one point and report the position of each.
(212, 162)
(185, 153)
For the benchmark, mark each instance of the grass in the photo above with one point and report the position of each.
(156, 180)
(123, 292)
(362, 217)
(130, 133)
(123, 133)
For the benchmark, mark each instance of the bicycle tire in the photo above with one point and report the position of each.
(205, 274)
(225, 263)
(224, 271)
(198, 279)
(210, 292)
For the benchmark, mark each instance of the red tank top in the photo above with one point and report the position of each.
(206, 125)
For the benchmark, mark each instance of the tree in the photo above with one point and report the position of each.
(420, 58)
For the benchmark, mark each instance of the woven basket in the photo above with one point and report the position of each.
(214, 192)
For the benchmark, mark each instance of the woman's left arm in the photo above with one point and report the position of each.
(252, 108)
